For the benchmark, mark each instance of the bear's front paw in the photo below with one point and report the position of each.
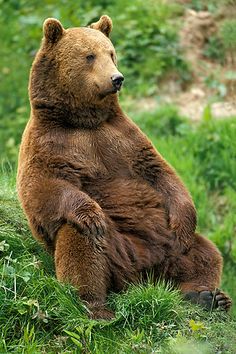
(91, 222)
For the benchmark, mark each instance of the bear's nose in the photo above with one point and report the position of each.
(117, 80)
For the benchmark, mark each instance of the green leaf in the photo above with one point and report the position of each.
(73, 334)
(3, 246)
(22, 311)
(79, 344)
(26, 277)
(207, 114)
(32, 302)
(196, 326)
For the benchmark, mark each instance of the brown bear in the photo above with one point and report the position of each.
(95, 191)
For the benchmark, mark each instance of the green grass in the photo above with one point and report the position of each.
(40, 315)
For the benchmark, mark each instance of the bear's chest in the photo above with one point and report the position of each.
(103, 154)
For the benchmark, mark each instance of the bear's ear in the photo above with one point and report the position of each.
(52, 30)
(104, 25)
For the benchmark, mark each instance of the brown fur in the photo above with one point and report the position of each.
(94, 189)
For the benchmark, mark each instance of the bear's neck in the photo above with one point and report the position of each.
(76, 115)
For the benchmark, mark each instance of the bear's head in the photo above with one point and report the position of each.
(76, 65)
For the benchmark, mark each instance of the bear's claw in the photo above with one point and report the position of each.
(90, 224)
(222, 300)
(210, 299)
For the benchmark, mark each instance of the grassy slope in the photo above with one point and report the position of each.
(36, 311)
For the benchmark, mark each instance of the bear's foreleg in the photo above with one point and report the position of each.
(178, 203)
(81, 262)
(55, 202)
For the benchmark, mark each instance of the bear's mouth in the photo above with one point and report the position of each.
(111, 91)
(115, 89)
(118, 87)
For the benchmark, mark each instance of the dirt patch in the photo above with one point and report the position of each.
(207, 75)
(197, 29)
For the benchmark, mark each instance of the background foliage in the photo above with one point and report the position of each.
(39, 315)
(145, 39)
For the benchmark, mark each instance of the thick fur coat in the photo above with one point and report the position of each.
(95, 191)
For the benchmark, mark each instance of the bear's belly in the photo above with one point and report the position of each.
(141, 236)
(133, 205)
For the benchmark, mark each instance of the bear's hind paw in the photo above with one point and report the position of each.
(223, 301)
(97, 312)
(210, 300)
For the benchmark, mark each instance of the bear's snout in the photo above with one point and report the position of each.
(117, 80)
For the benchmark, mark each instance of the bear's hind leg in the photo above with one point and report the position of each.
(81, 263)
(199, 275)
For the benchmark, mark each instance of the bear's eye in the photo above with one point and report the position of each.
(113, 58)
(90, 58)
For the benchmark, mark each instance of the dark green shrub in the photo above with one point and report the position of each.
(214, 49)
(147, 43)
(228, 36)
